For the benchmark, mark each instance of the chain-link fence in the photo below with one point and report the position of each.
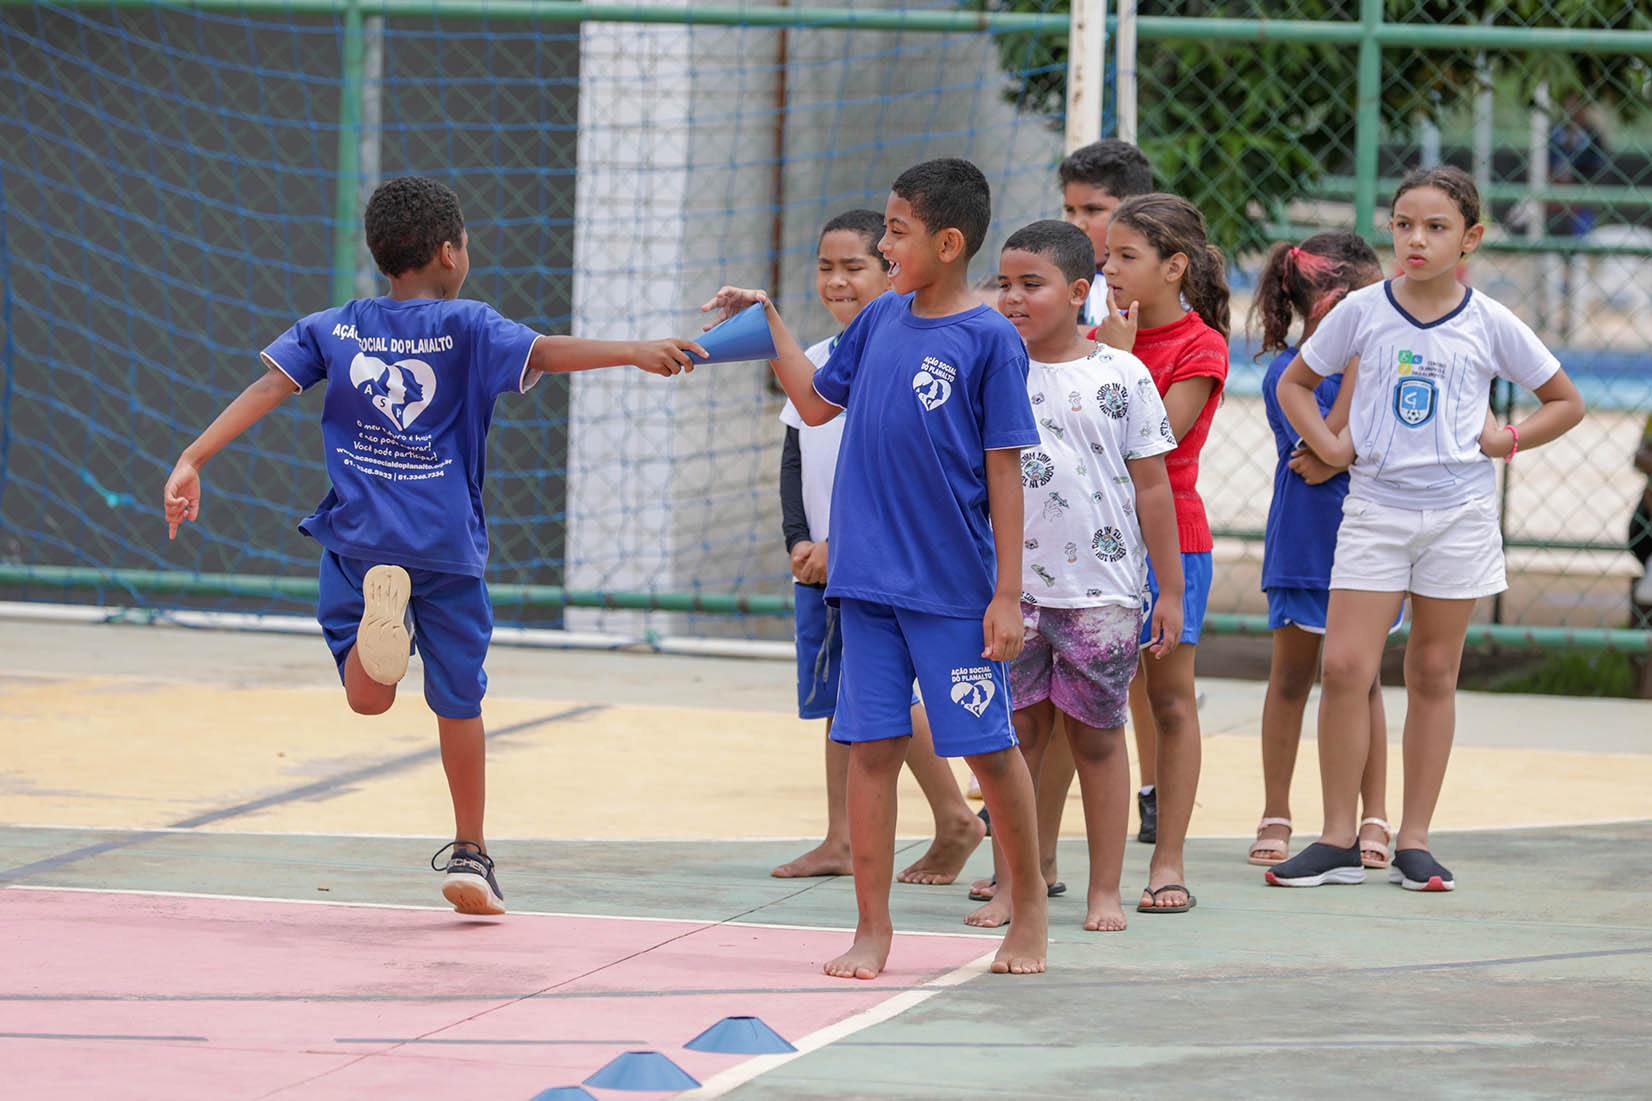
(178, 183)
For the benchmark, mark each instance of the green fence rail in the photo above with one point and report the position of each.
(553, 596)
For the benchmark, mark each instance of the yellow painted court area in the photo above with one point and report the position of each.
(139, 752)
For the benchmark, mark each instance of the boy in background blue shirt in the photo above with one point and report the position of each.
(926, 539)
(412, 378)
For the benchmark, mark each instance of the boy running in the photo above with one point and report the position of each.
(928, 584)
(411, 382)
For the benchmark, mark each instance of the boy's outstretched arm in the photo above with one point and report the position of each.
(182, 498)
(1001, 629)
(559, 355)
(1156, 511)
(1297, 402)
(790, 365)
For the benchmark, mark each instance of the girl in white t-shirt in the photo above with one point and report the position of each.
(1421, 513)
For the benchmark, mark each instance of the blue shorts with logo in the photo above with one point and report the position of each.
(1196, 577)
(967, 697)
(452, 626)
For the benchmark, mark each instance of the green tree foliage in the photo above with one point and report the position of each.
(1241, 128)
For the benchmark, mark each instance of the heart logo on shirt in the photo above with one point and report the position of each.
(400, 390)
(932, 392)
(973, 695)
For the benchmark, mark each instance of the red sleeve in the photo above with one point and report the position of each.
(1205, 356)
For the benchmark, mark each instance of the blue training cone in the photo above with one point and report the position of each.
(642, 1070)
(564, 1093)
(740, 1036)
(743, 336)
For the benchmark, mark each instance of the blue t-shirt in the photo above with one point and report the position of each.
(926, 398)
(1301, 536)
(404, 423)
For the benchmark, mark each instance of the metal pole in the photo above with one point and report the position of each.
(349, 152)
(1086, 72)
(372, 138)
(1124, 70)
(1368, 117)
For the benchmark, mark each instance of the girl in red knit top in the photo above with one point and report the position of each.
(1158, 257)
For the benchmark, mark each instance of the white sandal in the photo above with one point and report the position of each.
(1266, 852)
(1372, 854)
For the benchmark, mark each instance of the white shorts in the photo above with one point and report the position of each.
(1453, 553)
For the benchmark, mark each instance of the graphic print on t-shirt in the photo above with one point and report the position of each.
(1415, 393)
(399, 390)
(933, 382)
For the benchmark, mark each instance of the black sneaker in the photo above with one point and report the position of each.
(1147, 805)
(469, 883)
(1318, 864)
(1417, 870)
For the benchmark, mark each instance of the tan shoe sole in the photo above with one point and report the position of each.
(381, 641)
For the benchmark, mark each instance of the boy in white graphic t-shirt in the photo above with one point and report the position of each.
(1097, 501)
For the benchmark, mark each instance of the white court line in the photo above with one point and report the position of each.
(703, 922)
(719, 1084)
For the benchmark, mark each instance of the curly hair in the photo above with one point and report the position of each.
(407, 220)
(1063, 245)
(867, 223)
(1306, 280)
(1116, 166)
(949, 193)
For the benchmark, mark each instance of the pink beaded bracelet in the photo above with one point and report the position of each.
(1515, 432)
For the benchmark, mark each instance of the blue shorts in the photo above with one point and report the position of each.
(452, 621)
(1196, 575)
(819, 652)
(1305, 609)
(884, 648)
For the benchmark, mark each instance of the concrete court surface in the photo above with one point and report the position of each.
(180, 764)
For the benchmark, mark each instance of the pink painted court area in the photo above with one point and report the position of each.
(114, 994)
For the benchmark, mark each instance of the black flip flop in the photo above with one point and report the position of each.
(1056, 889)
(1182, 909)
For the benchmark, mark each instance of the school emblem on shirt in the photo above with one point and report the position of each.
(972, 688)
(1037, 469)
(1114, 400)
(399, 391)
(1108, 544)
(1414, 400)
(933, 382)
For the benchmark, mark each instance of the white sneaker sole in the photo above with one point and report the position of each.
(381, 640)
(1435, 883)
(471, 894)
(1334, 876)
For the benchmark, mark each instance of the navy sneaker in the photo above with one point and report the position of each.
(1147, 805)
(1318, 864)
(469, 882)
(1417, 870)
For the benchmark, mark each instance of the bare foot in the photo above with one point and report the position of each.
(990, 916)
(985, 888)
(1025, 945)
(824, 859)
(1105, 914)
(865, 958)
(947, 854)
